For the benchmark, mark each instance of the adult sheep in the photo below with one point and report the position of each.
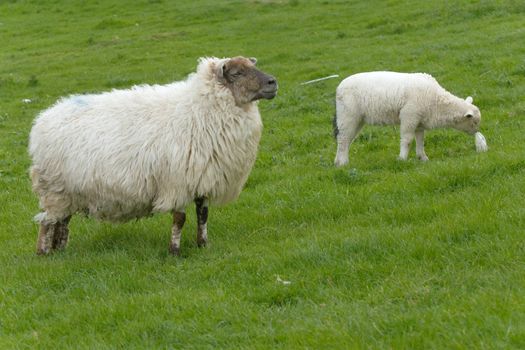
(125, 154)
(414, 100)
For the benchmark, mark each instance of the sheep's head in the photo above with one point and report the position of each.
(245, 81)
(471, 118)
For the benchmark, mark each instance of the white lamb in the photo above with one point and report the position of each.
(414, 100)
(125, 154)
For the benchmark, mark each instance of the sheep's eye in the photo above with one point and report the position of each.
(236, 74)
(469, 115)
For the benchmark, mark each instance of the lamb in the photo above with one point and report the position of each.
(414, 100)
(125, 154)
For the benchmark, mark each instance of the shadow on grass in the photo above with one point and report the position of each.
(139, 238)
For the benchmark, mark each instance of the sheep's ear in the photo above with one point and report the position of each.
(221, 67)
(469, 99)
(253, 60)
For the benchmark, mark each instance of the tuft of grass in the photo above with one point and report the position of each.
(379, 254)
(33, 81)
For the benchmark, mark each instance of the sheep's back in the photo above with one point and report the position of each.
(379, 96)
(103, 151)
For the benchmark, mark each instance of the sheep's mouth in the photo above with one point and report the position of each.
(269, 94)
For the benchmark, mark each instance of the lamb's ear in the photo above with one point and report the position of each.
(469, 99)
(253, 60)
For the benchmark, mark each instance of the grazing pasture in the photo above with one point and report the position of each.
(376, 254)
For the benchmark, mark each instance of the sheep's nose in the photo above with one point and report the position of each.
(272, 82)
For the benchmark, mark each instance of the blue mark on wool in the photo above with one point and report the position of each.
(79, 100)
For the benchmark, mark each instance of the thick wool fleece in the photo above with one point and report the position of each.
(126, 153)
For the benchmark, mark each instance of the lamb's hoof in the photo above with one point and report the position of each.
(174, 250)
(401, 159)
(201, 242)
(423, 158)
(339, 163)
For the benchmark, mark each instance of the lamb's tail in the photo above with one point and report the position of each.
(335, 129)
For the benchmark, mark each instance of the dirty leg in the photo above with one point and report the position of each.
(61, 236)
(201, 206)
(44, 243)
(179, 217)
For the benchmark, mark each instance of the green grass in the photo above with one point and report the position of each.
(380, 254)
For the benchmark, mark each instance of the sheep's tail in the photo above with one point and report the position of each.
(40, 217)
(43, 218)
(335, 129)
(334, 125)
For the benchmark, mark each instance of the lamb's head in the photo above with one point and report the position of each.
(245, 81)
(470, 118)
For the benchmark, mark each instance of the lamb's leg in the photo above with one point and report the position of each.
(179, 217)
(407, 135)
(420, 145)
(345, 137)
(201, 206)
(61, 236)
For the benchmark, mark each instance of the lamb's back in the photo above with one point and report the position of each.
(384, 84)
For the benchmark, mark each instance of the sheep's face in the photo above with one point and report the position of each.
(245, 81)
(470, 120)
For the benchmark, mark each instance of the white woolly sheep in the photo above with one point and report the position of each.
(125, 154)
(414, 100)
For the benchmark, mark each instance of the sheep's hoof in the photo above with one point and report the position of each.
(201, 242)
(43, 251)
(174, 250)
(60, 240)
(423, 158)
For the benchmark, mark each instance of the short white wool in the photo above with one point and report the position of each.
(416, 101)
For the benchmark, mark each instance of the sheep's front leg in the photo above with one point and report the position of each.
(179, 217)
(61, 235)
(420, 145)
(201, 206)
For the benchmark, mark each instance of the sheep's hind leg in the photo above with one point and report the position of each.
(201, 206)
(61, 236)
(420, 145)
(179, 217)
(53, 234)
(44, 244)
(345, 137)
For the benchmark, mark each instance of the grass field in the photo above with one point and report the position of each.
(380, 253)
